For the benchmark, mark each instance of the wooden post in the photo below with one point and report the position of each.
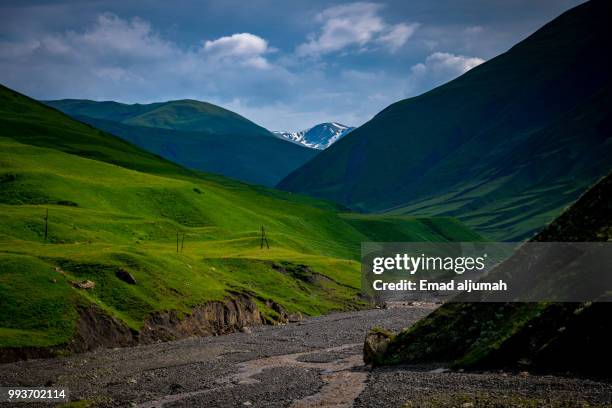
(182, 242)
(46, 224)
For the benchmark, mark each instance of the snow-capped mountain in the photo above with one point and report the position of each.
(319, 137)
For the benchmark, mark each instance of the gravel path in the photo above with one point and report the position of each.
(313, 363)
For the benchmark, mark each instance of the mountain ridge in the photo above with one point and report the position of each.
(180, 114)
(489, 145)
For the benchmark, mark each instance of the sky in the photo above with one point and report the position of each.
(286, 65)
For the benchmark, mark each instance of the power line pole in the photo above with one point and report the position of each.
(46, 224)
(263, 238)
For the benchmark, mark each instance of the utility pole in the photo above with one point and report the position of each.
(46, 224)
(263, 238)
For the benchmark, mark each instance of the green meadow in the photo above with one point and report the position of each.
(114, 206)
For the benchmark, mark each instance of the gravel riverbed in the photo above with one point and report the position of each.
(315, 362)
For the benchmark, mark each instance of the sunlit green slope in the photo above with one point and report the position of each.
(112, 205)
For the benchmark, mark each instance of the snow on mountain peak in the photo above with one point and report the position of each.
(318, 137)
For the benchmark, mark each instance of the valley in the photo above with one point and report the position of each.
(177, 254)
(82, 210)
(312, 363)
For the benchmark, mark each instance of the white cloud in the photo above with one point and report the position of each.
(398, 35)
(114, 36)
(354, 25)
(244, 47)
(128, 60)
(439, 68)
(472, 30)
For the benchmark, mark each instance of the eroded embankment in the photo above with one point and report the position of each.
(97, 329)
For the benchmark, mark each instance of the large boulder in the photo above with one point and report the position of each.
(375, 345)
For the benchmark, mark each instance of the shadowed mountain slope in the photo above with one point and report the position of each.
(505, 147)
(197, 135)
(534, 336)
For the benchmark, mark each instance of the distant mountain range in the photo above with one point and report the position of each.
(505, 147)
(195, 134)
(319, 137)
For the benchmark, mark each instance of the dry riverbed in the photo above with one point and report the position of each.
(313, 363)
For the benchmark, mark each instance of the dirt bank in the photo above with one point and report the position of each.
(97, 329)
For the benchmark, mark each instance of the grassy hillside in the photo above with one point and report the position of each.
(505, 147)
(196, 134)
(185, 114)
(535, 336)
(113, 206)
(253, 159)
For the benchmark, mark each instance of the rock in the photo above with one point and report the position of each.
(467, 405)
(247, 403)
(246, 329)
(175, 388)
(125, 276)
(86, 284)
(294, 317)
(375, 346)
(439, 370)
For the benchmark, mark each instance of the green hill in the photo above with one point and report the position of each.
(253, 159)
(185, 114)
(557, 337)
(195, 134)
(505, 147)
(113, 207)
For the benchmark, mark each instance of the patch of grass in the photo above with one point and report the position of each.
(36, 304)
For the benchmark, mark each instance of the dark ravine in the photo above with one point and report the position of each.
(97, 329)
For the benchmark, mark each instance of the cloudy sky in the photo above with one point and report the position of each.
(286, 65)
